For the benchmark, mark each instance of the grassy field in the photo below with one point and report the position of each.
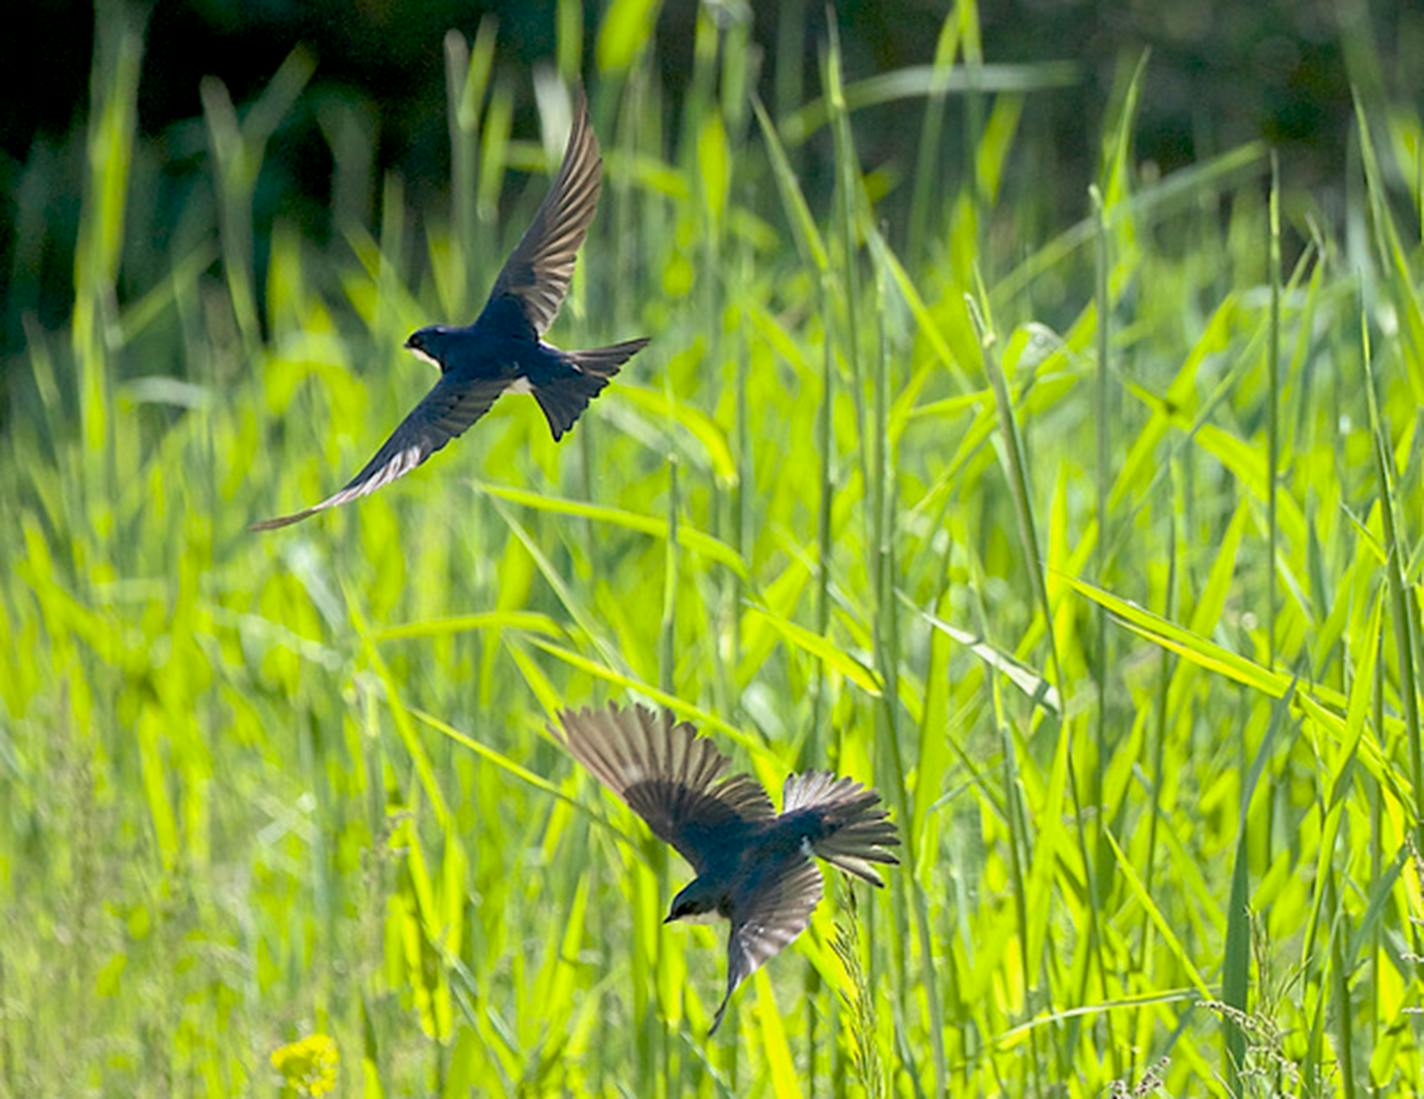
(1096, 546)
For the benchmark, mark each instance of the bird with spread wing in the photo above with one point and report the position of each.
(755, 867)
(504, 351)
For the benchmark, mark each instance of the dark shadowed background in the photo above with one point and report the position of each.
(1220, 73)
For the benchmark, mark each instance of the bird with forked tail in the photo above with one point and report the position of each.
(754, 866)
(503, 351)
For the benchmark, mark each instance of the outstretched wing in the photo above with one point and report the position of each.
(445, 413)
(668, 775)
(766, 917)
(537, 272)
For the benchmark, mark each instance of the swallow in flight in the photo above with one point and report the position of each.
(755, 867)
(504, 350)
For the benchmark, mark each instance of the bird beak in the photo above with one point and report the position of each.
(669, 918)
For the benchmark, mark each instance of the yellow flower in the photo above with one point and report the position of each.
(308, 1066)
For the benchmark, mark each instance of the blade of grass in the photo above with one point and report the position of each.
(1236, 960)
(1164, 927)
(1392, 256)
(687, 537)
(524, 621)
(826, 652)
(1273, 385)
(916, 81)
(692, 713)
(1035, 687)
(400, 714)
(1016, 469)
(1400, 596)
(467, 77)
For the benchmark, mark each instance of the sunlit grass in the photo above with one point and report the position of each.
(1098, 554)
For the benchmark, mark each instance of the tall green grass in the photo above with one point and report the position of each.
(1145, 708)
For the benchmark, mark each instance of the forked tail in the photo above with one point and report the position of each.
(845, 822)
(564, 399)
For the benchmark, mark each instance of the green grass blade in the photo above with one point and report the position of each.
(524, 621)
(823, 649)
(1392, 256)
(1164, 928)
(687, 537)
(1035, 687)
(1402, 598)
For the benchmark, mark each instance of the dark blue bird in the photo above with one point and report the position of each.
(754, 866)
(504, 350)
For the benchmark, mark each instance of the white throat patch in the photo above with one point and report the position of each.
(426, 357)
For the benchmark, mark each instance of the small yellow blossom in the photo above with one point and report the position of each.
(308, 1066)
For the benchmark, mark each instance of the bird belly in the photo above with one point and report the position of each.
(529, 366)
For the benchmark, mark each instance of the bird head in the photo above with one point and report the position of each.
(428, 344)
(697, 899)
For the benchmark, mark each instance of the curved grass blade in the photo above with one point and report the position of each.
(1039, 691)
(400, 715)
(523, 621)
(693, 420)
(823, 649)
(703, 718)
(1164, 926)
(919, 81)
(689, 538)
(523, 774)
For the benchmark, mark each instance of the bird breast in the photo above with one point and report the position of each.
(426, 357)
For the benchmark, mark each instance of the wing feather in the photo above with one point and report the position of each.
(668, 775)
(538, 271)
(766, 918)
(445, 413)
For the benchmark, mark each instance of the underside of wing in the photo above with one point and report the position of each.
(771, 914)
(538, 271)
(444, 414)
(668, 775)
